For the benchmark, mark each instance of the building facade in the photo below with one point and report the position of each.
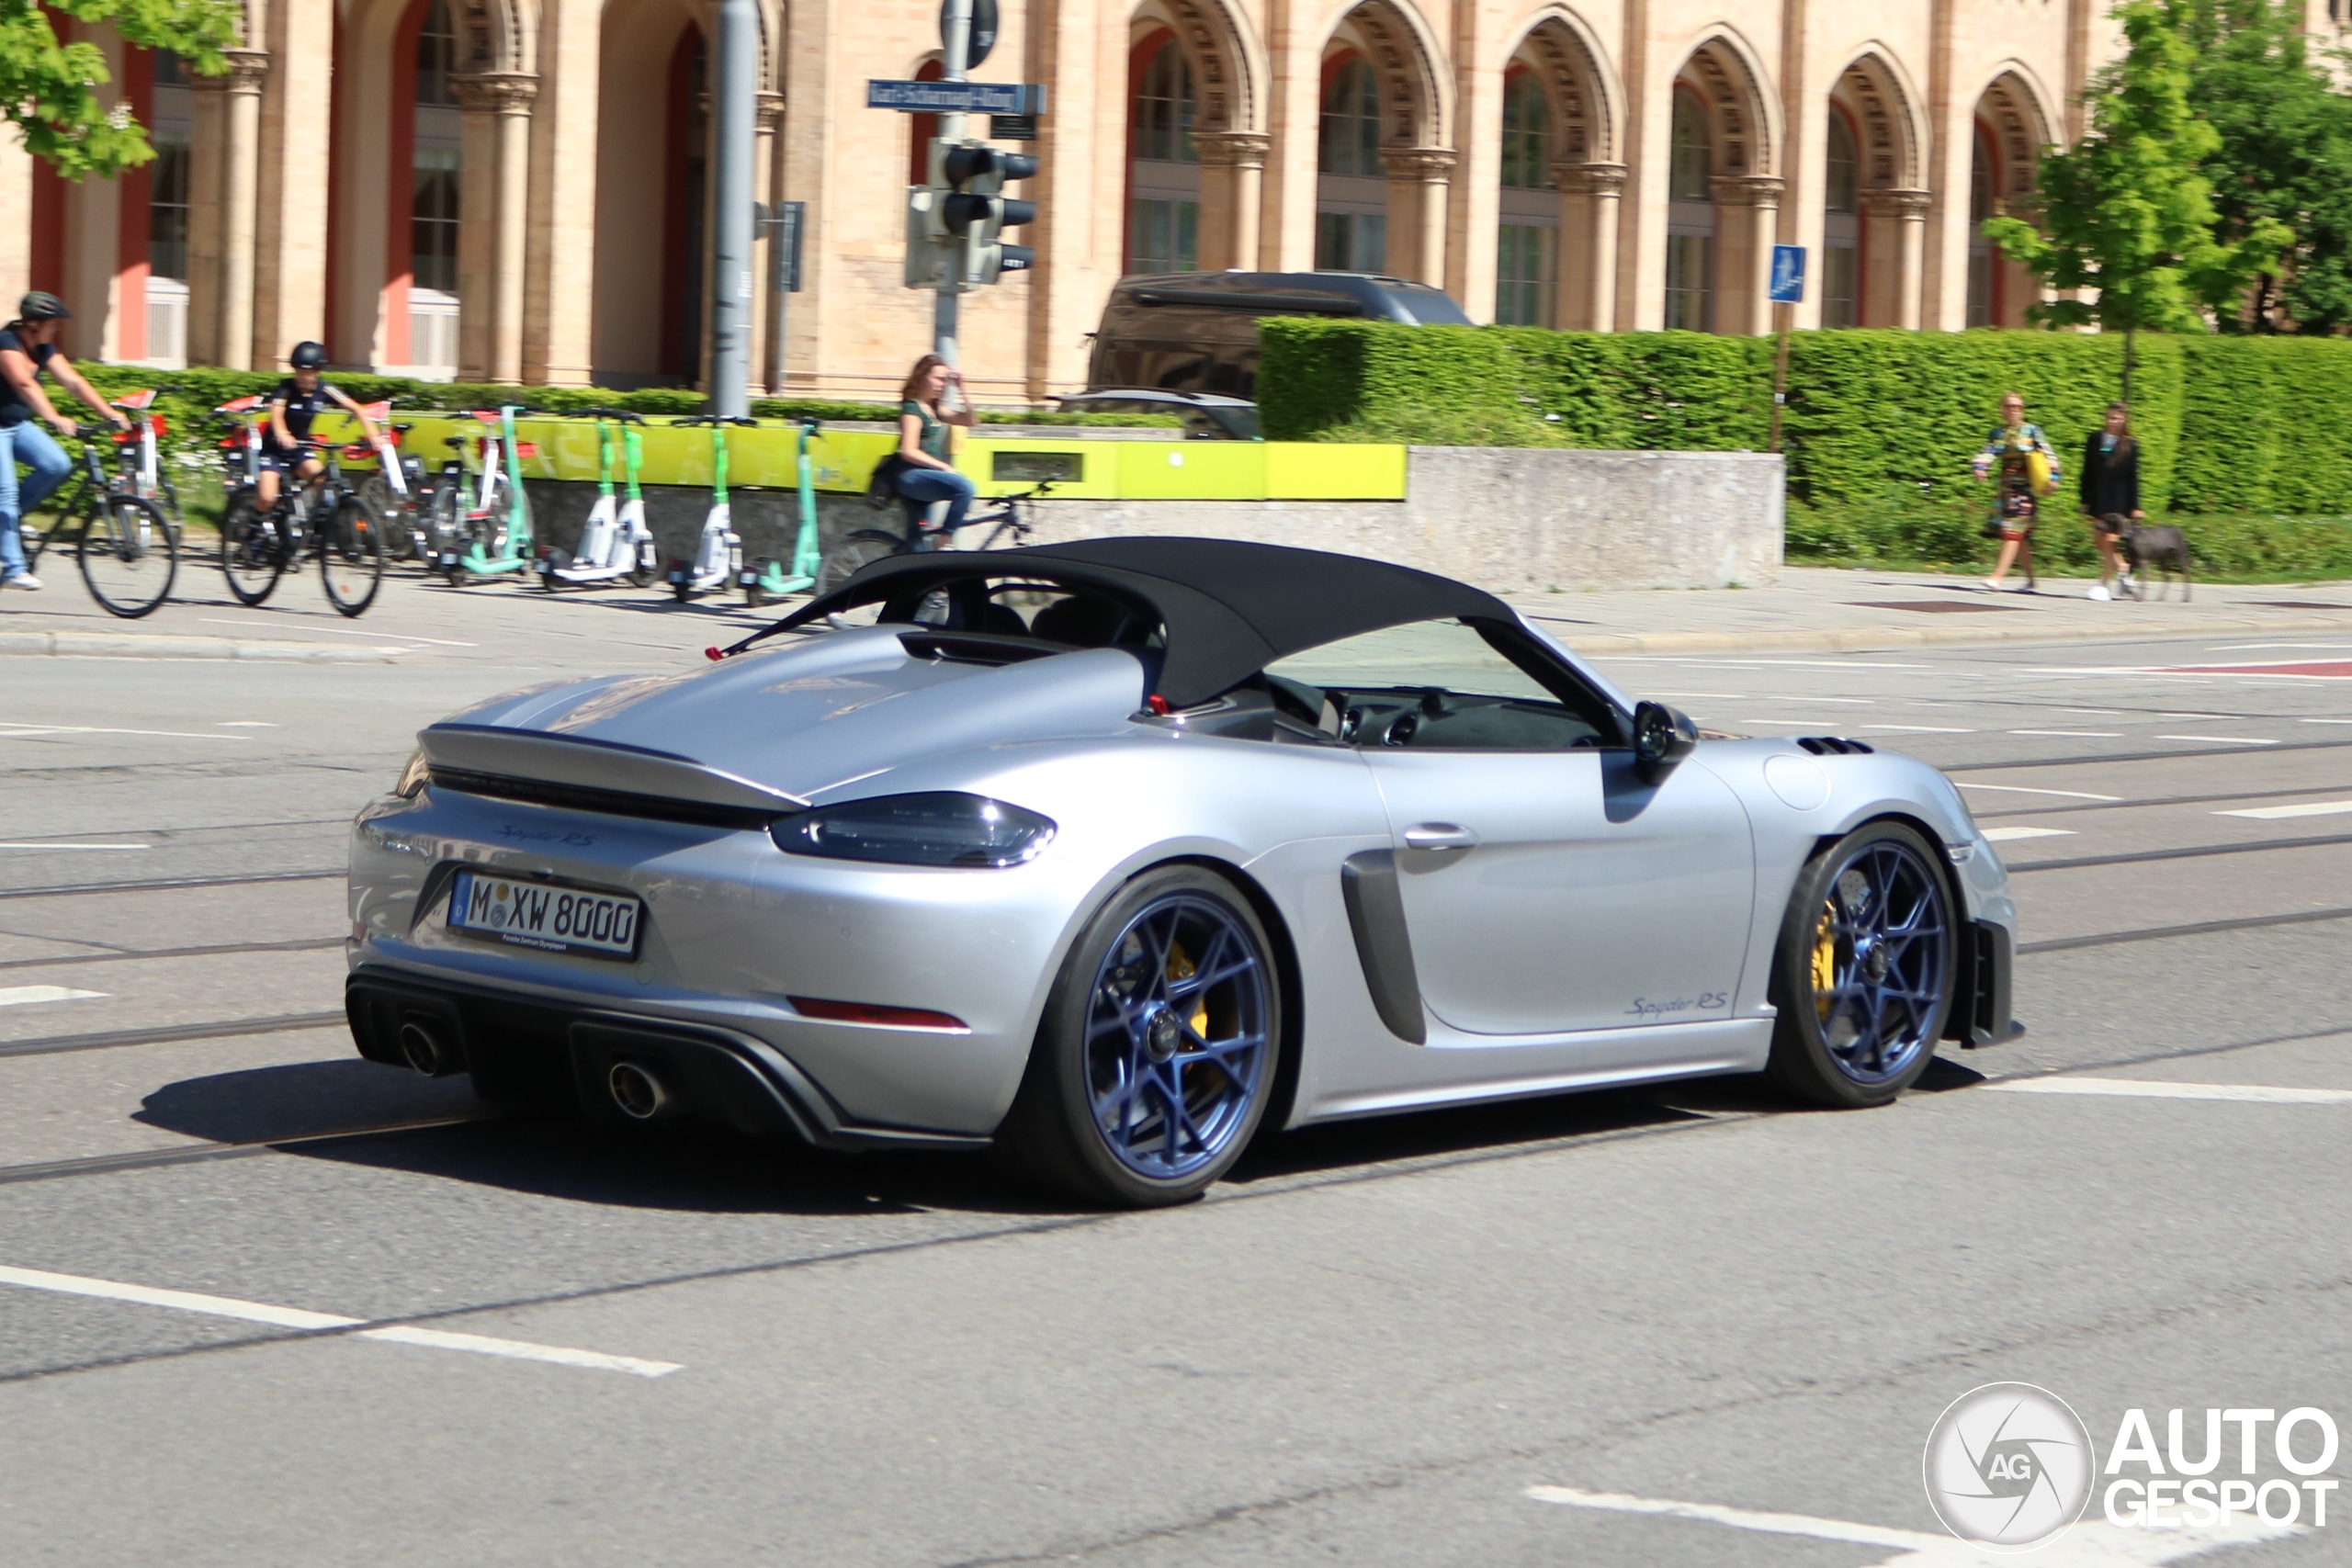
(514, 189)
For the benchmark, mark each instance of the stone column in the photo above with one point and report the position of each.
(226, 308)
(1749, 310)
(494, 211)
(1910, 211)
(559, 289)
(1233, 173)
(1418, 178)
(1587, 250)
(765, 190)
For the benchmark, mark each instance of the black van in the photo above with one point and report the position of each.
(1197, 331)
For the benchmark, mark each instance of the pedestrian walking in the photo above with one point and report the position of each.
(28, 347)
(2023, 465)
(2111, 496)
(926, 475)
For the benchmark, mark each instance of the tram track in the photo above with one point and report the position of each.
(2187, 852)
(207, 1152)
(170, 1034)
(216, 950)
(169, 884)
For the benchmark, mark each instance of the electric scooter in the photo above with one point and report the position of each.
(507, 547)
(719, 557)
(615, 543)
(766, 580)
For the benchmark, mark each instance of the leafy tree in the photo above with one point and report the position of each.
(2285, 154)
(2128, 213)
(48, 89)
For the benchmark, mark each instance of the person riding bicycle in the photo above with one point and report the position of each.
(299, 399)
(927, 476)
(27, 348)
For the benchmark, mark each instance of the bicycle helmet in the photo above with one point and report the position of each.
(42, 306)
(307, 357)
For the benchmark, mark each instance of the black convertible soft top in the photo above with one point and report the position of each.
(1227, 608)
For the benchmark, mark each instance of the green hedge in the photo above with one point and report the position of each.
(1880, 420)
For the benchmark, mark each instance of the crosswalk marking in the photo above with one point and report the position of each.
(25, 996)
(2165, 1088)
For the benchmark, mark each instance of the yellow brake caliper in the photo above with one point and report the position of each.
(1825, 962)
(1181, 967)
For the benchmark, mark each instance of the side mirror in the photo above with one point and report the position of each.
(1662, 737)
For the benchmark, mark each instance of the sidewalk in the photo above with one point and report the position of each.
(416, 619)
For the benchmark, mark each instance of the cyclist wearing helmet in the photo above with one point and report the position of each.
(300, 399)
(27, 348)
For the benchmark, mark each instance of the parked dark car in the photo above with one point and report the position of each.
(1197, 331)
(1207, 416)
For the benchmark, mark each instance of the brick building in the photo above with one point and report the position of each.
(513, 189)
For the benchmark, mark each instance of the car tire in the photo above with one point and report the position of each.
(1169, 996)
(1865, 969)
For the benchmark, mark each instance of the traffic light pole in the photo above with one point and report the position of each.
(735, 105)
(957, 46)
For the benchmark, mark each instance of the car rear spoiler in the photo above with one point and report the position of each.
(603, 765)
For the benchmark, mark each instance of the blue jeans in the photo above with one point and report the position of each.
(927, 485)
(30, 444)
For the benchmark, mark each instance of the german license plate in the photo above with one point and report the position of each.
(544, 916)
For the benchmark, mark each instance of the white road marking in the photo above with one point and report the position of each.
(2020, 789)
(26, 996)
(2075, 734)
(2010, 835)
(2095, 713)
(23, 731)
(2160, 1089)
(1799, 723)
(2220, 740)
(1922, 728)
(2265, 646)
(1756, 663)
(2309, 809)
(1717, 697)
(2324, 721)
(296, 1317)
(50, 846)
(2094, 1543)
(246, 724)
(338, 631)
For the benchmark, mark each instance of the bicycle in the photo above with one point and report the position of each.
(326, 520)
(1009, 525)
(139, 457)
(129, 550)
(399, 492)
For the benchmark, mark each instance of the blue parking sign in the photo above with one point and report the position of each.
(1788, 275)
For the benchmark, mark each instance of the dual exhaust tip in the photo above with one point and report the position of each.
(639, 1090)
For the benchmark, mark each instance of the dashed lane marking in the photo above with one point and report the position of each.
(2160, 1088)
(2075, 734)
(1922, 728)
(2092, 1544)
(26, 996)
(2220, 740)
(38, 845)
(2272, 813)
(316, 1321)
(2020, 789)
(2009, 835)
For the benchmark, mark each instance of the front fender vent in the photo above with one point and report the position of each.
(1831, 745)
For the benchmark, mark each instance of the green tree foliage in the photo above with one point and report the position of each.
(49, 89)
(2128, 212)
(2285, 155)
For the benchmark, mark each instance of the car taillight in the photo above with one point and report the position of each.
(873, 1013)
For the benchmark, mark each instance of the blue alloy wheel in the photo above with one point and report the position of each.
(1881, 960)
(1176, 1029)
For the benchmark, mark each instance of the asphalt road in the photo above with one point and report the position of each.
(1668, 1327)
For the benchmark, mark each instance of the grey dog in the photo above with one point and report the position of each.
(2163, 546)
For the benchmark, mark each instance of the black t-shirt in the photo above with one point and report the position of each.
(302, 407)
(13, 410)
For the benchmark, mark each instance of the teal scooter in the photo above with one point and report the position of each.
(507, 546)
(767, 578)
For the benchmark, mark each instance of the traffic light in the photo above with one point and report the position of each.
(973, 209)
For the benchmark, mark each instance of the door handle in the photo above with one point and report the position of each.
(1439, 836)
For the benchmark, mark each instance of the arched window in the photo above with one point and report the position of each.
(1525, 244)
(1982, 188)
(1841, 227)
(1164, 167)
(435, 174)
(1351, 198)
(1691, 218)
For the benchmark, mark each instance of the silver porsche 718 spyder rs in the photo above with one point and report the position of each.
(1111, 854)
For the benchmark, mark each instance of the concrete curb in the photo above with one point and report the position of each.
(103, 645)
(1604, 645)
